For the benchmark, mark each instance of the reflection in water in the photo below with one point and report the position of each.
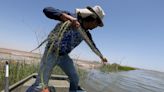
(131, 81)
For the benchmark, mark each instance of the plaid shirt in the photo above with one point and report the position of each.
(71, 38)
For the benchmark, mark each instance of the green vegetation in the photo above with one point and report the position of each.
(19, 71)
(115, 68)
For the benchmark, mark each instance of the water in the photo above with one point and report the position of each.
(131, 81)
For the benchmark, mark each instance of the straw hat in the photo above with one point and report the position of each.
(96, 10)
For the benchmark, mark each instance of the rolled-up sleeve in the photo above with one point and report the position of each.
(54, 13)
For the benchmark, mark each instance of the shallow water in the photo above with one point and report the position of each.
(131, 81)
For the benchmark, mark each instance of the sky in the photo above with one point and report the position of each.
(133, 32)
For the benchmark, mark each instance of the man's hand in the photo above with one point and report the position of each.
(104, 60)
(75, 23)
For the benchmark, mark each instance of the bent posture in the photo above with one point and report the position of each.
(88, 19)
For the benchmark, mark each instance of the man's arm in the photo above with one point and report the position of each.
(60, 15)
(54, 13)
(103, 59)
(95, 49)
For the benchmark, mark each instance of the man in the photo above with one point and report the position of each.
(87, 18)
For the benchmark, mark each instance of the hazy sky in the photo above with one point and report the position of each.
(133, 33)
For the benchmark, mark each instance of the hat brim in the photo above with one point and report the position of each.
(99, 19)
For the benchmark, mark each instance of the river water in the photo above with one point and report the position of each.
(130, 81)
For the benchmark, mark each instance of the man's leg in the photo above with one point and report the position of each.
(67, 65)
(46, 66)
